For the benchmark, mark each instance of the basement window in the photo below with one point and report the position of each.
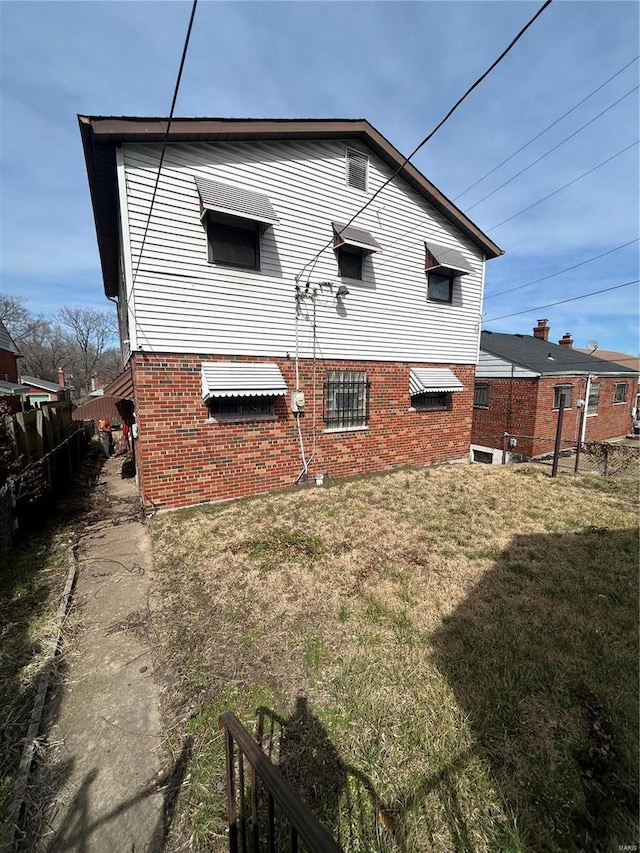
(346, 398)
(620, 392)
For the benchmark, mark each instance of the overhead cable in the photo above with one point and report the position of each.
(426, 139)
(166, 136)
(562, 301)
(567, 269)
(551, 150)
(555, 192)
(548, 127)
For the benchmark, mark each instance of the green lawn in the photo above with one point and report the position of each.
(450, 654)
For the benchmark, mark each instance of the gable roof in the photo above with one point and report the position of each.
(102, 134)
(533, 353)
(621, 358)
(6, 341)
(41, 383)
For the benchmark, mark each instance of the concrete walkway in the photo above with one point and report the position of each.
(107, 738)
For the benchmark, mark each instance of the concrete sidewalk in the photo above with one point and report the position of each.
(107, 754)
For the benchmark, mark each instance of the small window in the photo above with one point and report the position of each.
(233, 242)
(345, 399)
(620, 392)
(485, 456)
(592, 403)
(560, 391)
(350, 262)
(226, 408)
(356, 169)
(481, 396)
(440, 286)
(432, 401)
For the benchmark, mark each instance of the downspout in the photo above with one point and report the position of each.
(583, 431)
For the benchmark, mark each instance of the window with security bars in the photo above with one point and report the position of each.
(221, 408)
(346, 395)
(430, 401)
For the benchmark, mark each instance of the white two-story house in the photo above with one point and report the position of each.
(265, 342)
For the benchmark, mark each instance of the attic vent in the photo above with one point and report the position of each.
(357, 165)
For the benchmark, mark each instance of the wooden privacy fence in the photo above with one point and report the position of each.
(31, 435)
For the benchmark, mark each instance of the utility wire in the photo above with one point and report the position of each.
(542, 132)
(553, 274)
(562, 301)
(166, 136)
(555, 192)
(496, 62)
(551, 150)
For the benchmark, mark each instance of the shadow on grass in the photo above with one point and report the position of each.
(542, 657)
(339, 795)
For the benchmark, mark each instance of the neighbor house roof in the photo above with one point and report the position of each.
(6, 341)
(621, 358)
(102, 134)
(41, 383)
(546, 358)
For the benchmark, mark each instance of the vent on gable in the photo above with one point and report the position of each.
(357, 165)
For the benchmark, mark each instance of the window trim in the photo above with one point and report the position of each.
(442, 273)
(556, 389)
(625, 386)
(484, 386)
(214, 219)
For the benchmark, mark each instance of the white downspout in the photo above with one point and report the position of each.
(586, 409)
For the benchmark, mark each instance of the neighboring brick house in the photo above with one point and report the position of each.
(9, 355)
(520, 380)
(263, 341)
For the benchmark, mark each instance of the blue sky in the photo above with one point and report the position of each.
(401, 66)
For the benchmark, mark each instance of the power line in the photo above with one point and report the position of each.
(496, 62)
(562, 301)
(166, 137)
(551, 150)
(555, 192)
(553, 274)
(542, 132)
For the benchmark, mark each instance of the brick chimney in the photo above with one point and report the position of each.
(61, 380)
(541, 330)
(566, 341)
(95, 382)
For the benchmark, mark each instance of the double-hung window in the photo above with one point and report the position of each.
(620, 392)
(559, 392)
(346, 397)
(592, 402)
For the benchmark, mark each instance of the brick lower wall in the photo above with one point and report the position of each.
(524, 408)
(182, 460)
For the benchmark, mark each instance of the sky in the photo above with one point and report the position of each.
(401, 65)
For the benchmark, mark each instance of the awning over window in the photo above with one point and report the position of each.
(357, 237)
(425, 380)
(441, 257)
(235, 201)
(240, 379)
(121, 386)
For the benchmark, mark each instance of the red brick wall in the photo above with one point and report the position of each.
(183, 461)
(8, 366)
(534, 420)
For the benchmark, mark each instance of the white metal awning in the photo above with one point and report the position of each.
(356, 237)
(235, 201)
(241, 379)
(442, 257)
(423, 380)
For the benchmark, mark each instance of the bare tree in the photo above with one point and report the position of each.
(15, 315)
(90, 333)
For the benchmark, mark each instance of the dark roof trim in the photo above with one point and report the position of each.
(101, 134)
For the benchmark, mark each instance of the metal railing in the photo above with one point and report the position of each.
(265, 812)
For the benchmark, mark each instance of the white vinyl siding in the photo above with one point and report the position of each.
(492, 367)
(184, 304)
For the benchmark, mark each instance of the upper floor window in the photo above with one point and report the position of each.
(233, 242)
(620, 392)
(351, 246)
(559, 392)
(481, 396)
(349, 262)
(357, 167)
(440, 286)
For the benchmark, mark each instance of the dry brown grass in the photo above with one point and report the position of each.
(446, 630)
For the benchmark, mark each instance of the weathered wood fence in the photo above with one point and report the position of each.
(31, 435)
